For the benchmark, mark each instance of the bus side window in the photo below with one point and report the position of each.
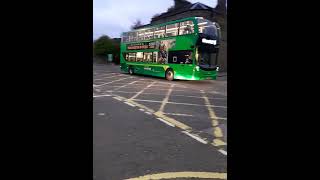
(186, 27)
(147, 57)
(139, 56)
(126, 56)
(141, 35)
(154, 57)
(180, 57)
(132, 57)
(188, 58)
(125, 37)
(133, 36)
(159, 32)
(149, 34)
(172, 29)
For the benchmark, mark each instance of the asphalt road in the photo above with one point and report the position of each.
(150, 126)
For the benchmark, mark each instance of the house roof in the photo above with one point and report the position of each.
(189, 7)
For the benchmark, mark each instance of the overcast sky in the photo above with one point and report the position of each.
(112, 17)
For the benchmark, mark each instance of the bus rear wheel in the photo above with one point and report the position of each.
(130, 70)
(169, 74)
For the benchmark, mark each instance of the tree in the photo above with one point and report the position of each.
(156, 15)
(103, 46)
(136, 24)
(178, 4)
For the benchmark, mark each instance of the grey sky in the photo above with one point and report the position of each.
(111, 17)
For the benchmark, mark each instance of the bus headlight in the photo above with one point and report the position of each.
(217, 68)
(197, 68)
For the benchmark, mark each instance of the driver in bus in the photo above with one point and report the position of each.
(188, 29)
(188, 58)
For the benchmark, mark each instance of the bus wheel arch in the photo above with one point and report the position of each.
(169, 74)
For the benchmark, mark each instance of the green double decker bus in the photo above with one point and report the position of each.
(182, 49)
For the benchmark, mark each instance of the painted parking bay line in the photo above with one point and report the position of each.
(166, 122)
(223, 152)
(175, 175)
(98, 85)
(187, 104)
(130, 104)
(178, 124)
(104, 95)
(195, 137)
(177, 114)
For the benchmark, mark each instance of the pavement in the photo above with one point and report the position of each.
(151, 128)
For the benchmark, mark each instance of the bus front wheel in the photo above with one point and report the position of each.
(130, 70)
(169, 74)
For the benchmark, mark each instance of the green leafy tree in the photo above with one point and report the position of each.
(103, 46)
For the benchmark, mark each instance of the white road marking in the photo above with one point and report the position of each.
(104, 95)
(168, 86)
(166, 99)
(111, 82)
(141, 109)
(134, 92)
(195, 137)
(137, 94)
(101, 114)
(188, 104)
(147, 112)
(119, 87)
(200, 97)
(177, 114)
(130, 104)
(117, 98)
(223, 151)
(166, 122)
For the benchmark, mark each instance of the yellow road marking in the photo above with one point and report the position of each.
(218, 142)
(172, 175)
(140, 105)
(217, 132)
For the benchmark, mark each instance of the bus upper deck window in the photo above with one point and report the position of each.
(141, 35)
(186, 27)
(149, 34)
(159, 32)
(125, 37)
(172, 29)
(133, 36)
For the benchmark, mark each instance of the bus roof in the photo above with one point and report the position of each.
(162, 24)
